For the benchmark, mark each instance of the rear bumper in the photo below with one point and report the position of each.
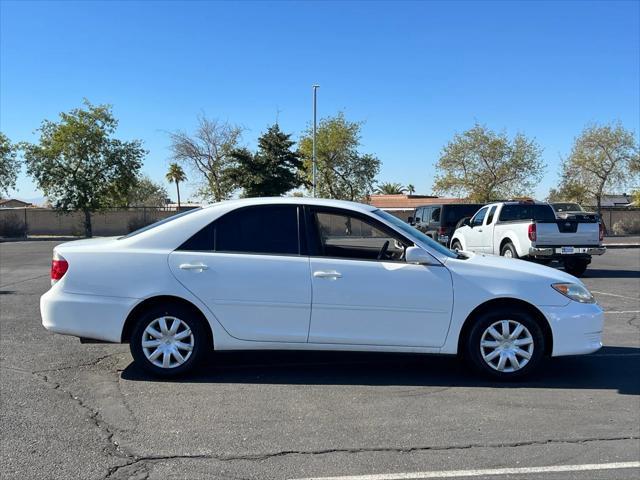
(89, 316)
(556, 252)
(576, 328)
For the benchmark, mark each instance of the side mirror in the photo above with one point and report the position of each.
(416, 220)
(418, 256)
(410, 220)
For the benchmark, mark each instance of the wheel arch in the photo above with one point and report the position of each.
(458, 238)
(503, 242)
(496, 303)
(150, 302)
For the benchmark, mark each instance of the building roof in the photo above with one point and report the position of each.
(408, 202)
(13, 202)
(609, 200)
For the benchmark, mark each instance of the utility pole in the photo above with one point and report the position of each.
(313, 157)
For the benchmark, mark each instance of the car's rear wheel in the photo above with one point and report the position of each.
(168, 341)
(576, 266)
(509, 251)
(505, 344)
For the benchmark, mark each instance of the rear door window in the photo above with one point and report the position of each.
(490, 216)
(261, 229)
(435, 215)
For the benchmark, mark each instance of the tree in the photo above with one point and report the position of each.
(9, 165)
(603, 158)
(411, 189)
(208, 153)
(79, 165)
(389, 188)
(273, 170)
(343, 172)
(484, 166)
(176, 175)
(146, 193)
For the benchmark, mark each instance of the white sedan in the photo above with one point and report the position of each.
(310, 274)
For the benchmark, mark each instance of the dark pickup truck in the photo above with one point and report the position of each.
(439, 221)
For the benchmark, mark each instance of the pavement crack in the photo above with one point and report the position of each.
(136, 466)
(24, 280)
(113, 448)
(92, 363)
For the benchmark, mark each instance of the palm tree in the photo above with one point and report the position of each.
(177, 175)
(389, 188)
(411, 189)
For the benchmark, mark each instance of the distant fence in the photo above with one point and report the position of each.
(621, 220)
(20, 222)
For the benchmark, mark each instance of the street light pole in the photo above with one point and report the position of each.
(313, 157)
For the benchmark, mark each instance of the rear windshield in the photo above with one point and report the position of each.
(517, 211)
(160, 222)
(453, 213)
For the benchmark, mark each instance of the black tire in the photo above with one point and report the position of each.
(508, 250)
(199, 339)
(473, 349)
(576, 266)
(455, 245)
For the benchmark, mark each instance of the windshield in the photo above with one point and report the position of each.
(160, 222)
(567, 207)
(415, 233)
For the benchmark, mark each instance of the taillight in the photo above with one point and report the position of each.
(442, 231)
(532, 232)
(59, 267)
(601, 231)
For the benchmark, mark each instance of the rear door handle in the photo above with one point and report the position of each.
(193, 266)
(331, 275)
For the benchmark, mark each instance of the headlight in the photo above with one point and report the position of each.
(574, 292)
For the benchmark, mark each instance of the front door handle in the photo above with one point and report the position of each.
(331, 274)
(194, 266)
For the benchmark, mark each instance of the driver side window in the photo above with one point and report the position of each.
(478, 218)
(345, 236)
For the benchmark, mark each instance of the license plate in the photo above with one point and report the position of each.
(567, 250)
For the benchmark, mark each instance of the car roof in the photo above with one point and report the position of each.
(323, 202)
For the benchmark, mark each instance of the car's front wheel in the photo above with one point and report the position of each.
(505, 345)
(455, 245)
(168, 341)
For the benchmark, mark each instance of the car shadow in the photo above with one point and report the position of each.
(613, 368)
(606, 273)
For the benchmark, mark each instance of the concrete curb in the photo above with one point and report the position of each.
(40, 239)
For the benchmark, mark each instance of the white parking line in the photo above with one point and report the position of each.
(614, 295)
(485, 472)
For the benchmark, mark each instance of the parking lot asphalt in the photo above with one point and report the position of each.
(74, 411)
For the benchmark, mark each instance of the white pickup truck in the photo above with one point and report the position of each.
(531, 230)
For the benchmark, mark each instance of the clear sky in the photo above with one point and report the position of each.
(415, 72)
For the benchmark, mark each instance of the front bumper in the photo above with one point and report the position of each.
(576, 328)
(89, 316)
(559, 252)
